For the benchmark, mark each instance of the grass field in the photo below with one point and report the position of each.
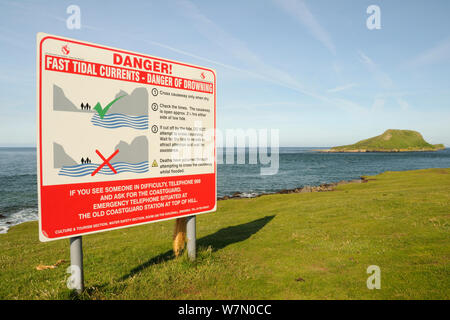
(294, 246)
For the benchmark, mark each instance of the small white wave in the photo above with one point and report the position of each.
(24, 215)
(249, 194)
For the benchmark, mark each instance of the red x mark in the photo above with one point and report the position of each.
(105, 161)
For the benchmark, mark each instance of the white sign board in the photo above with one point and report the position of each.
(123, 138)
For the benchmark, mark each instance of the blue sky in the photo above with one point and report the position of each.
(311, 69)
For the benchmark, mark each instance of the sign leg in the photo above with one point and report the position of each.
(76, 264)
(191, 237)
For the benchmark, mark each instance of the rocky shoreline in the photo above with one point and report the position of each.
(306, 189)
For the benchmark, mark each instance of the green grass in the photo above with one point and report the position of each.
(392, 140)
(257, 248)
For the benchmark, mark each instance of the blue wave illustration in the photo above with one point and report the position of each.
(81, 170)
(118, 120)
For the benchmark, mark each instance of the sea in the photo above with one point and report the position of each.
(296, 167)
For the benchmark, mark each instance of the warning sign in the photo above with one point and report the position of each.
(124, 138)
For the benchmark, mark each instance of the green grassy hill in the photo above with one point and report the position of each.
(281, 246)
(391, 141)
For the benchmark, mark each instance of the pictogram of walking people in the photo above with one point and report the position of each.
(85, 161)
(86, 106)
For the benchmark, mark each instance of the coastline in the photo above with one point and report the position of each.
(380, 151)
(305, 189)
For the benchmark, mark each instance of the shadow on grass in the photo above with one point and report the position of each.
(217, 241)
(234, 234)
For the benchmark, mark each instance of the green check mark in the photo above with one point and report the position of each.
(102, 111)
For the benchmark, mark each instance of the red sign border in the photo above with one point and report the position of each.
(42, 237)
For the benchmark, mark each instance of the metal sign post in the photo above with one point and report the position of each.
(76, 264)
(191, 237)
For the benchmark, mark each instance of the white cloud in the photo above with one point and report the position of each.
(239, 50)
(268, 105)
(337, 68)
(403, 104)
(342, 88)
(378, 104)
(350, 106)
(439, 53)
(383, 79)
(385, 82)
(299, 10)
